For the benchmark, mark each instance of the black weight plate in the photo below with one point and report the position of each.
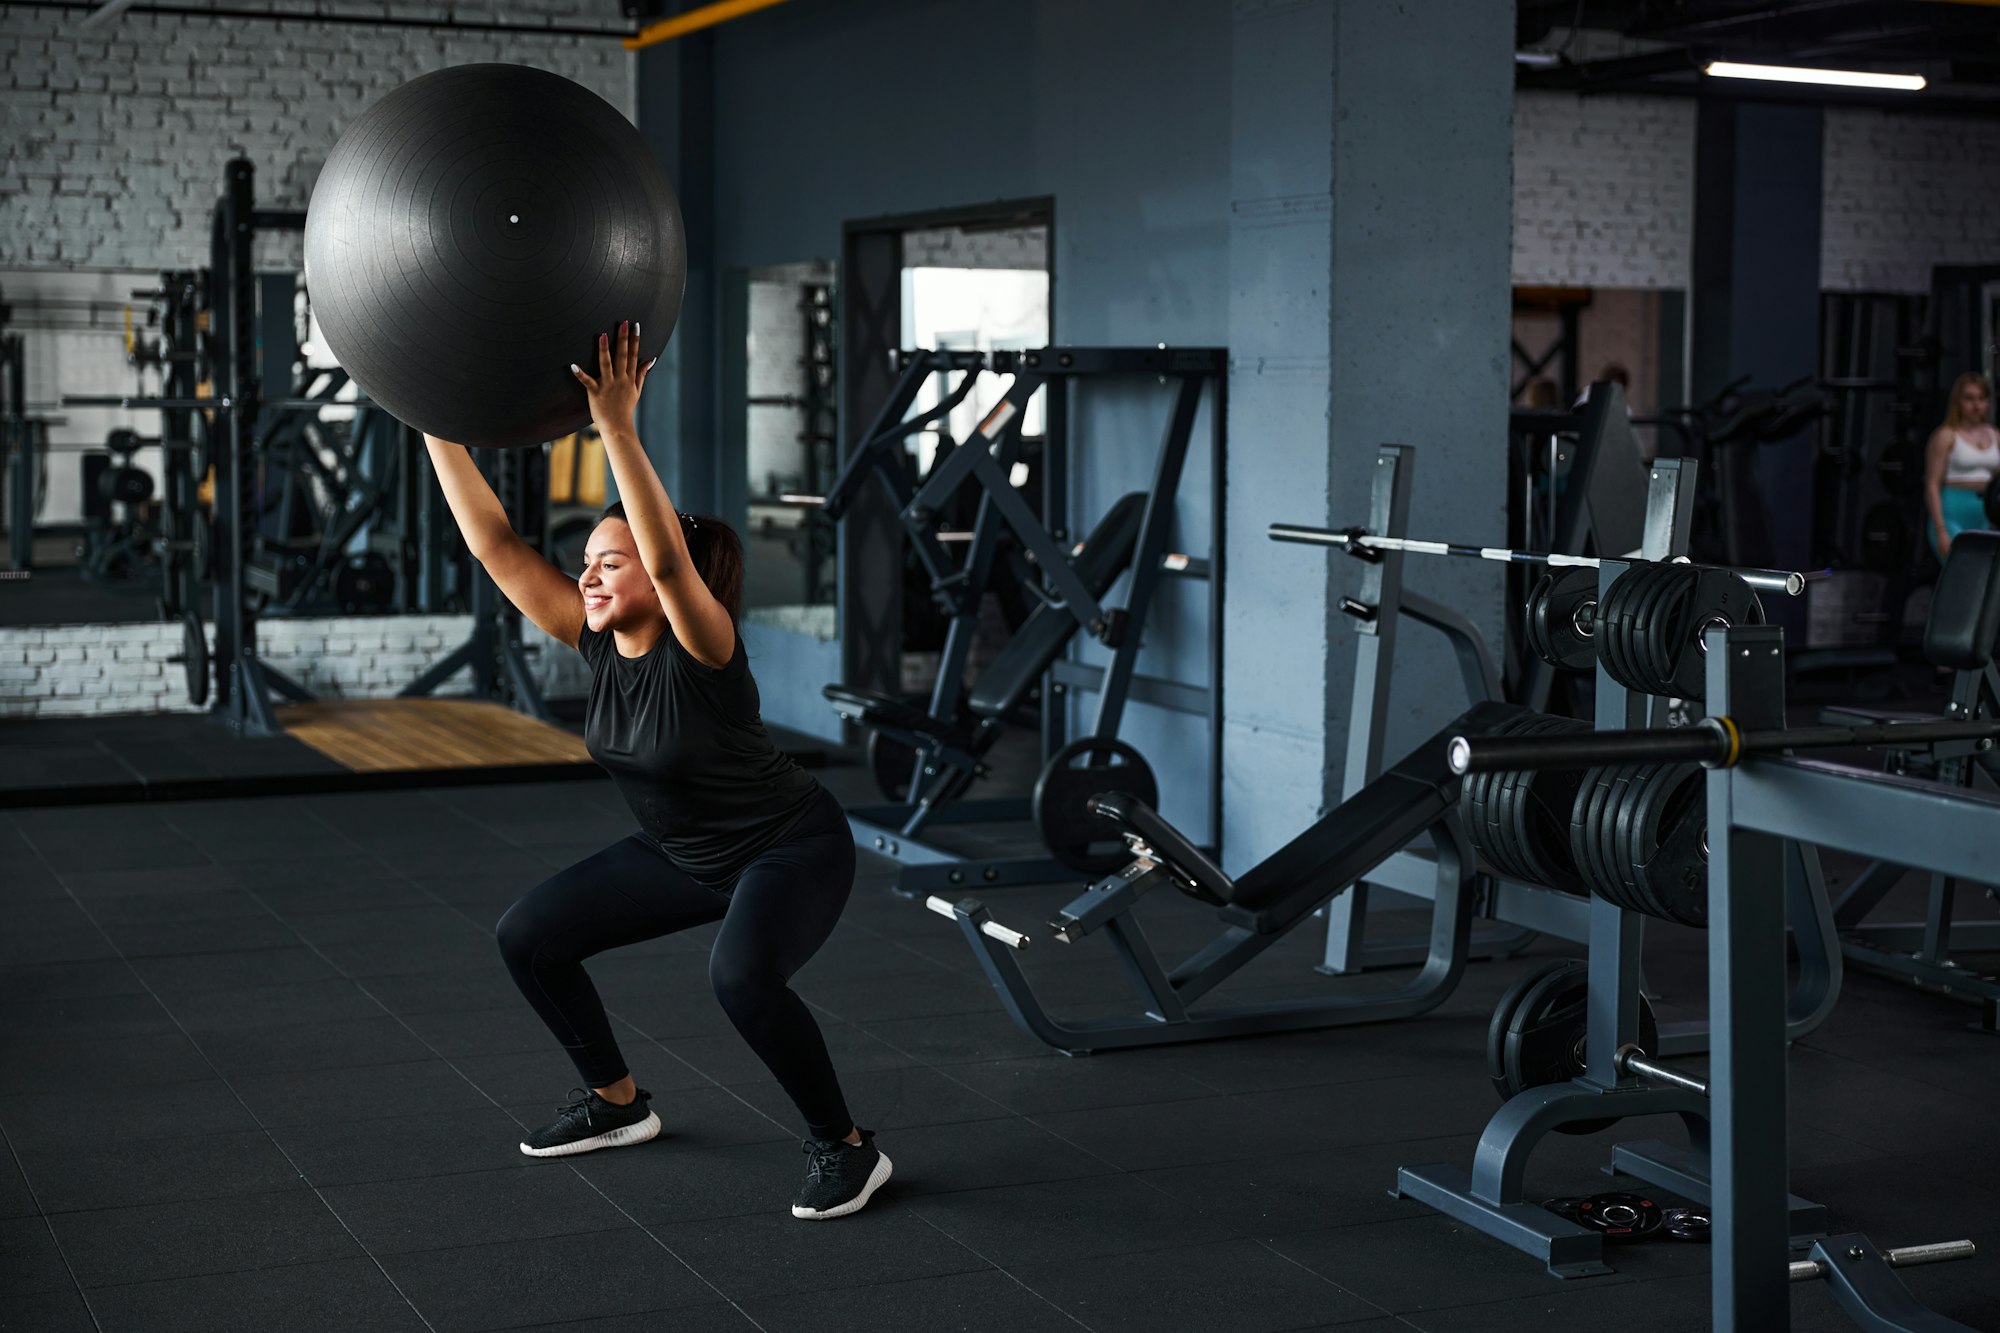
(1620, 820)
(1670, 856)
(1478, 797)
(1707, 601)
(1503, 1015)
(1611, 617)
(1626, 819)
(1673, 643)
(1647, 583)
(892, 764)
(1550, 616)
(1545, 832)
(194, 658)
(1514, 803)
(1075, 837)
(1544, 1041)
(1620, 616)
(1689, 1224)
(1609, 857)
(1518, 807)
(1660, 617)
(1660, 637)
(1570, 647)
(1534, 620)
(1661, 787)
(1584, 843)
(1620, 1217)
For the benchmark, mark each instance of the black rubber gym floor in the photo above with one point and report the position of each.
(260, 1068)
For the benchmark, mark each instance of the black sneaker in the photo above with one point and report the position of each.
(589, 1123)
(840, 1177)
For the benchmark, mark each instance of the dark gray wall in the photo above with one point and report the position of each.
(1324, 188)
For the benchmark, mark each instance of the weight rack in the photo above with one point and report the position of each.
(1736, 1161)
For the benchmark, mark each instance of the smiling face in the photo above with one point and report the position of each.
(1972, 403)
(617, 593)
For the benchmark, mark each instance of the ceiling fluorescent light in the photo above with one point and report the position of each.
(1843, 78)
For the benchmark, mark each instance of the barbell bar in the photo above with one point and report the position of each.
(1358, 542)
(1713, 742)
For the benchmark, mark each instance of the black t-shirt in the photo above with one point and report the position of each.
(687, 747)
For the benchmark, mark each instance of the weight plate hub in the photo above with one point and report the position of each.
(1561, 619)
(1621, 1217)
(1536, 1036)
(1080, 770)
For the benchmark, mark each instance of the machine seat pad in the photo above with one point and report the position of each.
(1133, 815)
(1965, 610)
(1048, 629)
(1358, 834)
(878, 711)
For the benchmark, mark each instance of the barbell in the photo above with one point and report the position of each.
(1713, 742)
(1368, 546)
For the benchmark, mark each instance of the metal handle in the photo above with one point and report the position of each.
(1013, 939)
(1908, 1256)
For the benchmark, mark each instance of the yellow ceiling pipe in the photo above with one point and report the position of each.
(665, 30)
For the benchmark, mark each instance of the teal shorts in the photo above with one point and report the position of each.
(1963, 509)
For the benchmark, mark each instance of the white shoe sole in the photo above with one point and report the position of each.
(617, 1138)
(876, 1179)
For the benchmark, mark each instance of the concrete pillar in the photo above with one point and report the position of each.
(1756, 302)
(677, 416)
(1371, 148)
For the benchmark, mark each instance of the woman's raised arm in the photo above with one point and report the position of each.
(543, 593)
(697, 619)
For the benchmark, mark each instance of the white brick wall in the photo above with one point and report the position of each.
(1603, 191)
(1903, 193)
(101, 670)
(113, 142)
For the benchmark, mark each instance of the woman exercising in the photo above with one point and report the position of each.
(1959, 463)
(730, 829)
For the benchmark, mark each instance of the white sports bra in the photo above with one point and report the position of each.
(1969, 462)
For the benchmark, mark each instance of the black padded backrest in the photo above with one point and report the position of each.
(1015, 668)
(1965, 611)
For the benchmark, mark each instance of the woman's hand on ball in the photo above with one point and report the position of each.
(614, 390)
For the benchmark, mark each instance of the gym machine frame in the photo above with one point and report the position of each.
(1920, 951)
(1412, 872)
(244, 682)
(1736, 1120)
(1387, 812)
(894, 829)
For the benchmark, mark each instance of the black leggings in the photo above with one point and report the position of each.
(779, 912)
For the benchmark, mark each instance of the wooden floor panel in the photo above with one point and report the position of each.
(379, 735)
